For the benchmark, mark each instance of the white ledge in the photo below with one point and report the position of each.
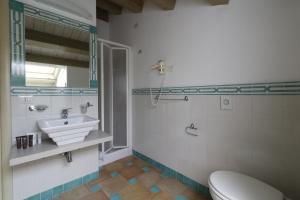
(48, 148)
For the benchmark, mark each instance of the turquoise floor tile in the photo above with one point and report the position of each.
(155, 189)
(115, 196)
(114, 174)
(146, 169)
(132, 181)
(95, 188)
(180, 197)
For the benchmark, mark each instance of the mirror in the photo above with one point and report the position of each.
(56, 55)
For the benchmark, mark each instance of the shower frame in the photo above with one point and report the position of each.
(116, 46)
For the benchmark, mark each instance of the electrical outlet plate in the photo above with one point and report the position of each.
(226, 103)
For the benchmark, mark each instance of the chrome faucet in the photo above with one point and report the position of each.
(65, 113)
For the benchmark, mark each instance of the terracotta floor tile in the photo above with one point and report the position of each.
(76, 194)
(192, 195)
(95, 196)
(149, 179)
(91, 183)
(132, 168)
(171, 186)
(115, 166)
(125, 160)
(162, 196)
(140, 163)
(135, 192)
(104, 175)
(130, 172)
(114, 185)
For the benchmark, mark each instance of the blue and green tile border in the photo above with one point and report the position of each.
(168, 172)
(275, 88)
(18, 11)
(45, 91)
(60, 189)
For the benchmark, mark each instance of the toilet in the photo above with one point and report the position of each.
(228, 185)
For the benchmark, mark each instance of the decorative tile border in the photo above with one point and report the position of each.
(166, 171)
(18, 11)
(55, 18)
(45, 91)
(17, 38)
(93, 59)
(279, 88)
(59, 190)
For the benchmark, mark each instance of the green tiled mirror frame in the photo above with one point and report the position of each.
(18, 11)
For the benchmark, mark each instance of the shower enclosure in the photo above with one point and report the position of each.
(114, 98)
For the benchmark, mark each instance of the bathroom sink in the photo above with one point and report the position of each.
(70, 130)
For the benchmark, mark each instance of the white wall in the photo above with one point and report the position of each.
(103, 29)
(49, 172)
(259, 137)
(39, 176)
(24, 121)
(244, 42)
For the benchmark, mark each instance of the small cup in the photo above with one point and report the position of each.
(30, 140)
(19, 142)
(24, 142)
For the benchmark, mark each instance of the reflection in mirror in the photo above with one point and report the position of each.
(56, 55)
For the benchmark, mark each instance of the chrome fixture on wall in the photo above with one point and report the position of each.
(186, 98)
(39, 108)
(84, 107)
(68, 156)
(162, 69)
(191, 127)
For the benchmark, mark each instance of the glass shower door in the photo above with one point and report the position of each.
(114, 94)
(120, 87)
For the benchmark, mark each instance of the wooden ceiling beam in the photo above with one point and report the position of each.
(110, 7)
(135, 6)
(218, 2)
(54, 39)
(56, 60)
(165, 4)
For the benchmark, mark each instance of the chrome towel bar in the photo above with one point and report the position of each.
(186, 98)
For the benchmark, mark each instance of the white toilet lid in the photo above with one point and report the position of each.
(235, 186)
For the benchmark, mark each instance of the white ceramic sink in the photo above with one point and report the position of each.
(70, 130)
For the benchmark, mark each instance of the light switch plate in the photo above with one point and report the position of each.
(226, 103)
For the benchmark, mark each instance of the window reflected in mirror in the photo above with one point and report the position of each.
(46, 75)
(56, 55)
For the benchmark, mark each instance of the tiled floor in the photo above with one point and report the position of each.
(132, 179)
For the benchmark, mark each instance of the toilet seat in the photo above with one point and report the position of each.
(229, 185)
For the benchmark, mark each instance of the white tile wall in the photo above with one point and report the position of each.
(24, 121)
(259, 137)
